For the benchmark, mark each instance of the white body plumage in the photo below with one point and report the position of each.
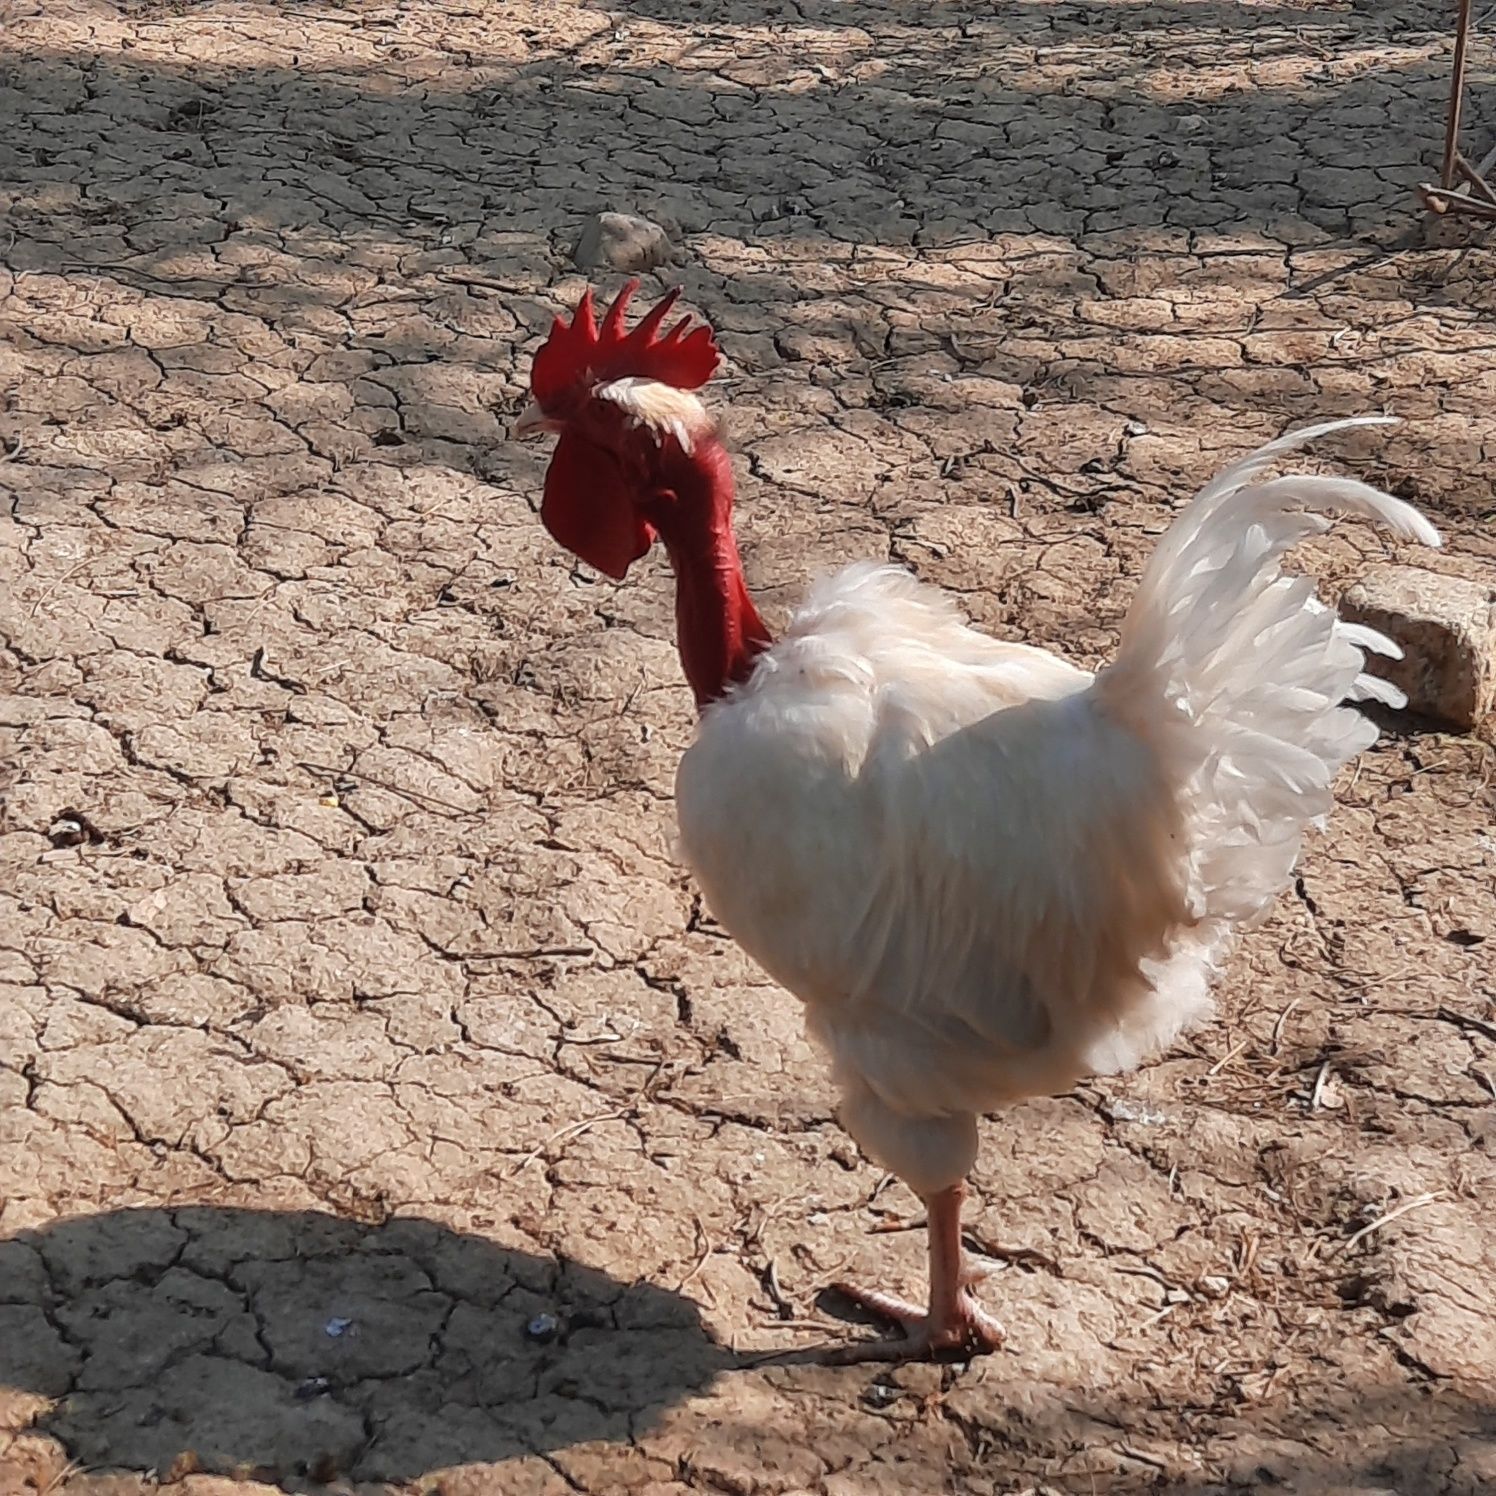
(987, 873)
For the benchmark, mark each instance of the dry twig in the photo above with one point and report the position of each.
(1416, 1203)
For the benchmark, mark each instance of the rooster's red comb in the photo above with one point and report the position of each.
(580, 353)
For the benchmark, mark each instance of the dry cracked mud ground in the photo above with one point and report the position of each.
(355, 1012)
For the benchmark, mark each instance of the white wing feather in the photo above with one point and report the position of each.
(987, 874)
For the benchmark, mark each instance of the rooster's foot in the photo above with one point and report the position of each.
(966, 1329)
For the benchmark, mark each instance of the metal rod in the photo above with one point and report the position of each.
(1456, 96)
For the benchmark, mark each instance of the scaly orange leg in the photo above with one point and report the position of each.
(954, 1320)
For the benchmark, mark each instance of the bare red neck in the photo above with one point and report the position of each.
(718, 629)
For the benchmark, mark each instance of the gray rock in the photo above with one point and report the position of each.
(1446, 627)
(622, 241)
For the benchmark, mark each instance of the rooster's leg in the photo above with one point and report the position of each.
(954, 1321)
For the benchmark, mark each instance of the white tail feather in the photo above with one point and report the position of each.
(1237, 674)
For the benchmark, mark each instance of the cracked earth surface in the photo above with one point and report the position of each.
(354, 1012)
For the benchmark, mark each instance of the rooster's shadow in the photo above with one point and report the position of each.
(298, 1344)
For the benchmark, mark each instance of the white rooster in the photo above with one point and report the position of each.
(985, 872)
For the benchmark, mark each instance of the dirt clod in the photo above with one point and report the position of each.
(1446, 629)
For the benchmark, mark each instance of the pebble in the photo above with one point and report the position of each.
(622, 241)
(543, 1329)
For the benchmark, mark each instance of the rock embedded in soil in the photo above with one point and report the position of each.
(1446, 627)
(622, 241)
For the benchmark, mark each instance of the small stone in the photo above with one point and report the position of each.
(622, 241)
(543, 1329)
(71, 828)
(65, 831)
(1446, 628)
(1123, 1110)
(186, 1463)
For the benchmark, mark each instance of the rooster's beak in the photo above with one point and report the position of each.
(532, 422)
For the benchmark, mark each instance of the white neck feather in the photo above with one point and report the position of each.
(660, 408)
